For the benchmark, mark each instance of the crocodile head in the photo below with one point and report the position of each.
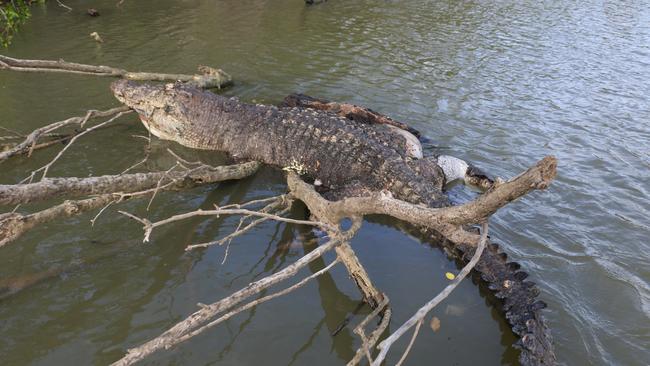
(160, 107)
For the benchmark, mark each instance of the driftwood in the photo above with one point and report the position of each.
(208, 78)
(450, 222)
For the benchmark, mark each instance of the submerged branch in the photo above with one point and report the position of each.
(197, 320)
(208, 77)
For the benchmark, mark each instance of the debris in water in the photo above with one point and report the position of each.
(435, 324)
(96, 37)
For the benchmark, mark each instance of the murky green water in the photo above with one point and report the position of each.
(499, 83)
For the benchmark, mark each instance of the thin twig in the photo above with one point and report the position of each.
(158, 185)
(239, 231)
(385, 345)
(257, 302)
(408, 348)
(367, 343)
(146, 155)
(47, 166)
(150, 226)
(63, 5)
(45, 131)
(92, 221)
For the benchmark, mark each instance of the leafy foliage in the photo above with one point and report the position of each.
(13, 13)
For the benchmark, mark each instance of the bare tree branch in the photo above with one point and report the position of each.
(149, 226)
(280, 202)
(447, 220)
(208, 77)
(417, 318)
(32, 139)
(256, 302)
(13, 224)
(367, 343)
(47, 166)
(59, 187)
(177, 333)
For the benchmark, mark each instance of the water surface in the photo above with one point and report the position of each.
(500, 84)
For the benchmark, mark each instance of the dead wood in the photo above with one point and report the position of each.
(327, 215)
(196, 323)
(208, 77)
(448, 220)
(367, 343)
(50, 188)
(13, 225)
(31, 140)
(419, 315)
(45, 168)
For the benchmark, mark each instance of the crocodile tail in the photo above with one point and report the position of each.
(520, 304)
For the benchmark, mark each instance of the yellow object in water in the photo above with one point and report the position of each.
(450, 276)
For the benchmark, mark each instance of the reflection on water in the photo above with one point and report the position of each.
(499, 83)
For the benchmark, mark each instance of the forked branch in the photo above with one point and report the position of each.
(196, 323)
(31, 140)
(447, 220)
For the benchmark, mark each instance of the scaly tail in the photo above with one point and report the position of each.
(520, 304)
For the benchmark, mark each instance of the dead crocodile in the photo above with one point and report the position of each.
(345, 156)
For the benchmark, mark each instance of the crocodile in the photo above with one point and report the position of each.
(348, 158)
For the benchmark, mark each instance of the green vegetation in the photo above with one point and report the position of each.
(13, 13)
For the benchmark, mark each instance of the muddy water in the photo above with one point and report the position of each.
(498, 83)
